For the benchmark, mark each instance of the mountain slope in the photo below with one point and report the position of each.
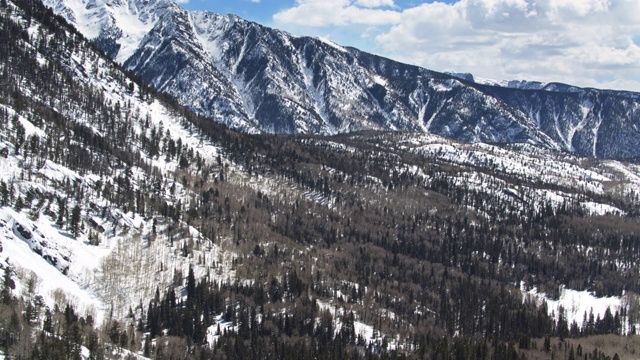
(258, 79)
(83, 181)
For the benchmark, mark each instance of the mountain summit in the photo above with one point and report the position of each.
(261, 80)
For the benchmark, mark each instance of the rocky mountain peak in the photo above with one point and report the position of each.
(258, 79)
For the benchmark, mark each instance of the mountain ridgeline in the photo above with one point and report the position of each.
(259, 79)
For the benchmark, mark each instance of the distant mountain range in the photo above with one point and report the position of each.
(262, 80)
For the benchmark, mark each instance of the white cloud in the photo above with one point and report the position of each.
(582, 42)
(321, 13)
(375, 3)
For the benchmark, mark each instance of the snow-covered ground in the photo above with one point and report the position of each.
(41, 277)
(361, 329)
(558, 177)
(219, 327)
(125, 267)
(118, 273)
(578, 305)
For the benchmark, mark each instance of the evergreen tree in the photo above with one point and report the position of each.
(4, 194)
(191, 285)
(47, 323)
(19, 204)
(62, 206)
(114, 332)
(19, 136)
(74, 221)
(8, 285)
(547, 344)
(562, 327)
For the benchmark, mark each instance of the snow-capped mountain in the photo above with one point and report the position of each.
(514, 84)
(258, 79)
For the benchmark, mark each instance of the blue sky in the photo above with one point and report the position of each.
(262, 11)
(593, 43)
(361, 36)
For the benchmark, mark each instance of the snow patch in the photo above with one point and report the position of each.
(576, 303)
(332, 44)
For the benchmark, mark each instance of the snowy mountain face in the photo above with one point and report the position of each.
(258, 79)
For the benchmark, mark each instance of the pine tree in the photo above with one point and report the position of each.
(547, 344)
(19, 204)
(47, 323)
(114, 332)
(74, 222)
(562, 326)
(191, 285)
(348, 329)
(62, 205)
(19, 136)
(4, 194)
(146, 352)
(8, 285)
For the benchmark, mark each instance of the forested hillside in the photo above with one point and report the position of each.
(130, 227)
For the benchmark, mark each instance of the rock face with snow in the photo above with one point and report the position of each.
(258, 79)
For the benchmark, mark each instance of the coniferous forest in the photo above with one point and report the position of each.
(353, 246)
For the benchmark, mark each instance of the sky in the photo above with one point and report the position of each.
(589, 43)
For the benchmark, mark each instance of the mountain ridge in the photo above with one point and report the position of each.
(257, 79)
